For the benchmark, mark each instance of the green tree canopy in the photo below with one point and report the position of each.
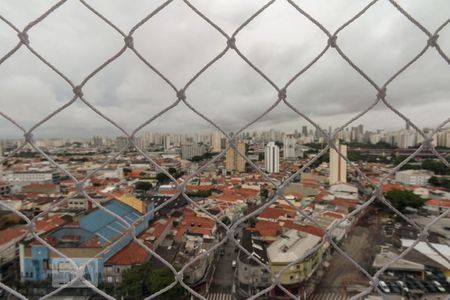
(143, 185)
(402, 199)
(141, 281)
(441, 182)
(436, 166)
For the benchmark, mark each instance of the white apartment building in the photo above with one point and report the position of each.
(338, 165)
(289, 143)
(216, 141)
(189, 151)
(27, 177)
(406, 138)
(272, 158)
(413, 177)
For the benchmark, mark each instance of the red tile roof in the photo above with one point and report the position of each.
(9, 234)
(132, 254)
(393, 186)
(304, 228)
(267, 228)
(276, 213)
(439, 202)
(348, 203)
(49, 223)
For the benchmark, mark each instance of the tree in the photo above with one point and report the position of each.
(436, 166)
(441, 182)
(162, 178)
(402, 199)
(126, 171)
(141, 281)
(143, 185)
(434, 181)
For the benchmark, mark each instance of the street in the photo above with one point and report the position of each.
(224, 274)
(360, 246)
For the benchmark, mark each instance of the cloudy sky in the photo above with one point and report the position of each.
(179, 43)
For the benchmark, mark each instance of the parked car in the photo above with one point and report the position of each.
(394, 288)
(438, 286)
(403, 286)
(420, 285)
(430, 287)
(383, 286)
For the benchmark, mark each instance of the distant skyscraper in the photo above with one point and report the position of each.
(272, 158)
(235, 162)
(304, 130)
(338, 165)
(121, 142)
(406, 138)
(97, 141)
(289, 143)
(166, 141)
(216, 141)
(189, 151)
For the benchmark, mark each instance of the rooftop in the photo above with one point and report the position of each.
(291, 246)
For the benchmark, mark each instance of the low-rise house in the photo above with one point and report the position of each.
(344, 190)
(252, 277)
(131, 255)
(294, 246)
(9, 239)
(413, 177)
(437, 206)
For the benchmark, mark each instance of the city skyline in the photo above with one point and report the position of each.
(230, 93)
(212, 131)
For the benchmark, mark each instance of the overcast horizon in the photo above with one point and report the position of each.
(179, 43)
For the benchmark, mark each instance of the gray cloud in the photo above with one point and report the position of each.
(179, 43)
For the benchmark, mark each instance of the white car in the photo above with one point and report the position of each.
(383, 286)
(233, 264)
(438, 286)
(402, 285)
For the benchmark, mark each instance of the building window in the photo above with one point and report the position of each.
(109, 279)
(117, 270)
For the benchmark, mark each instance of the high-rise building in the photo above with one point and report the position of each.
(272, 158)
(121, 142)
(97, 141)
(443, 138)
(166, 142)
(338, 165)
(216, 141)
(289, 143)
(304, 130)
(189, 151)
(235, 162)
(406, 138)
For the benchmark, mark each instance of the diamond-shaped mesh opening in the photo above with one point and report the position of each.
(88, 46)
(25, 79)
(389, 41)
(267, 49)
(174, 34)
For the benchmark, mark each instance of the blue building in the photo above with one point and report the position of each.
(84, 239)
